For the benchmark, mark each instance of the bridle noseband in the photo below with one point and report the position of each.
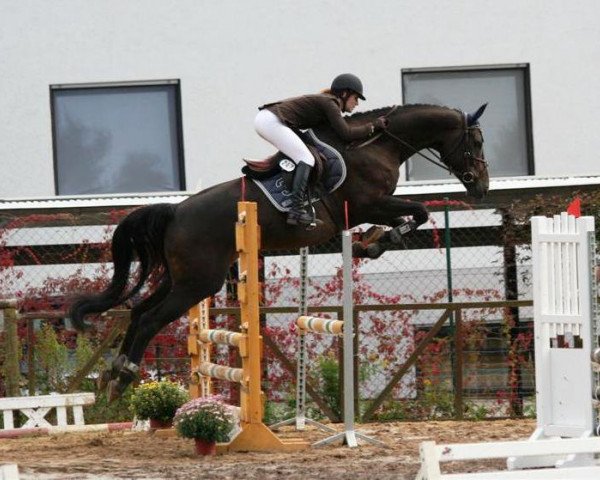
(467, 176)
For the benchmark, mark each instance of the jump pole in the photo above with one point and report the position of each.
(254, 434)
(199, 352)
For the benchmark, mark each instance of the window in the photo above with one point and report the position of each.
(117, 138)
(506, 122)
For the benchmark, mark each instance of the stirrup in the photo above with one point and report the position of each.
(304, 219)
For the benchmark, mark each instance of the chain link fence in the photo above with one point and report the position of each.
(459, 256)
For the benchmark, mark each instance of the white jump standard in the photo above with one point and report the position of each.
(567, 355)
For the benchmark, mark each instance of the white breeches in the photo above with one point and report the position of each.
(269, 127)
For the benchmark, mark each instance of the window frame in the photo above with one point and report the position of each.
(108, 85)
(525, 67)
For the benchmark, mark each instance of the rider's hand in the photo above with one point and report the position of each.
(381, 123)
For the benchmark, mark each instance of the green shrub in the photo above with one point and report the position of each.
(157, 400)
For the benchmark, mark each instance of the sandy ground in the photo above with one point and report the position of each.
(143, 455)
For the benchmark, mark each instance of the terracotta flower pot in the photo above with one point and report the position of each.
(156, 424)
(205, 448)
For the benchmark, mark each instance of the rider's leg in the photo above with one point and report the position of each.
(269, 127)
(298, 213)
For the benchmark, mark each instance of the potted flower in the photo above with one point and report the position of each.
(207, 420)
(158, 402)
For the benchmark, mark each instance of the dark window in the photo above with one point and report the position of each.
(506, 122)
(118, 138)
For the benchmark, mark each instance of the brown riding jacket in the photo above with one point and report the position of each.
(309, 111)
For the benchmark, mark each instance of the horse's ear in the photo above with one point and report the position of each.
(472, 118)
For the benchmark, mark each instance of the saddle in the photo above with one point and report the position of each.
(273, 164)
(274, 174)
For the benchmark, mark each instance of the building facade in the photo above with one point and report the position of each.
(136, 96)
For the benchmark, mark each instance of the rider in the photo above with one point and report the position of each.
(275, 121)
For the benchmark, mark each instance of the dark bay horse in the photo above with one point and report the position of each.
(188, 248)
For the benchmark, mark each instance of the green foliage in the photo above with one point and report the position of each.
(57, 364)
(270, 413)
(329, 382)
(476, 412)
(103, 411)
(206, 418)
(393, 411)
(53, 358)
(4, 365)
(83, 352)
(157, 400)
(436, 401)
(530, 411)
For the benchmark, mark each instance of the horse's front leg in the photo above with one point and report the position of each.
(391, 211)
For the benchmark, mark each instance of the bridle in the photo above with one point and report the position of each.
(467, 176)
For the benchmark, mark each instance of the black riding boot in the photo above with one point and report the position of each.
(298, 214)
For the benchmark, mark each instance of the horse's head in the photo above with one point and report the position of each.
(461, 150)
(456, 135)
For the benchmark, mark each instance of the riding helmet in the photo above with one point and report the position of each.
(348, 81)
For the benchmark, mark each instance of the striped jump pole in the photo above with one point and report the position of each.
(254, 434)
(199, 352)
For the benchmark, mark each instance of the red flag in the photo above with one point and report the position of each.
(574, 207)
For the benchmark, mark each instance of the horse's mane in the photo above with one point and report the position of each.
(384, 110)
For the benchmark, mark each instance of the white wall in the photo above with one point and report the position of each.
(232, 56)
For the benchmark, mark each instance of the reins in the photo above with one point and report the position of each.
(374, 137)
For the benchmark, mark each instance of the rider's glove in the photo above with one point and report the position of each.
(380, 124)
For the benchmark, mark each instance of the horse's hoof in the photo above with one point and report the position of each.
(111, 372)
(375, 250)
(372, 235)
(118, 363)
(358, 251)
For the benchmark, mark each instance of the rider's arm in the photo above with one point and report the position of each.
(340, 125)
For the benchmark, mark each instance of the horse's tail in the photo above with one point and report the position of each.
(142, 232)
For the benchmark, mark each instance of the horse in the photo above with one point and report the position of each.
(188, 248)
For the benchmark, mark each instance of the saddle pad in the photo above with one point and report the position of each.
(278, 188)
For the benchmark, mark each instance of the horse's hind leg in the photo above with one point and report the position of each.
(178, 301)
(147, 303)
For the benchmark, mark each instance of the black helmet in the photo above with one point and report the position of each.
(348, 81)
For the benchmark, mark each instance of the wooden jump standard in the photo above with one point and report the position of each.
(254, 434)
